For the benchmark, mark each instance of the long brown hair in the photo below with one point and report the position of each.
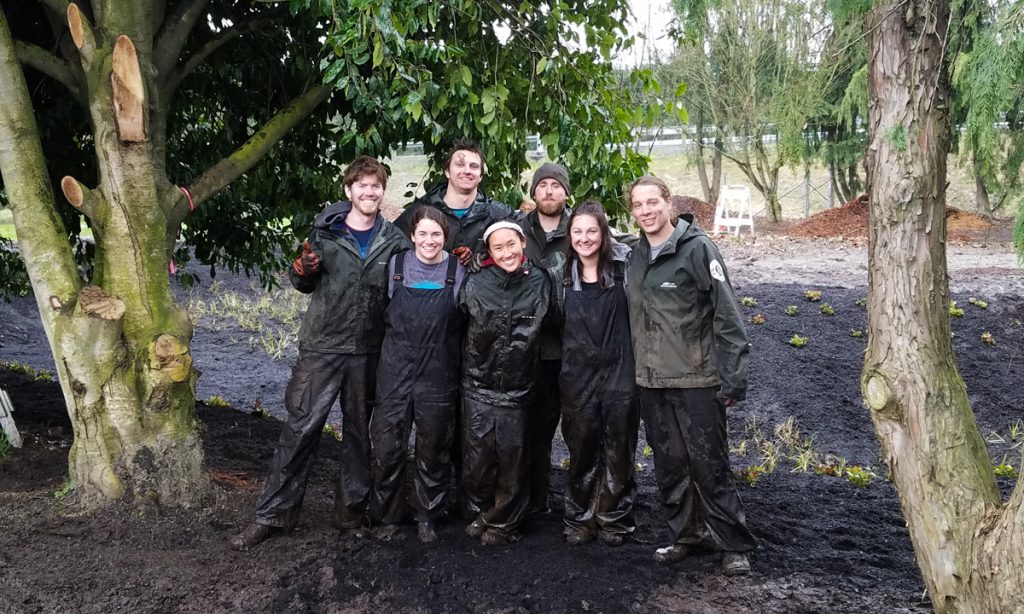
(648, 180)
(604, 255)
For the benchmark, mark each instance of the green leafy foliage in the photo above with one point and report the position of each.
(13, 277)
(827, 309)
(748, 301)
(859, 476)
(791, 310)
(797, 341)
(495, 72)
(954, 311)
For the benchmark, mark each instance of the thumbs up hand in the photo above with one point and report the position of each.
(308, 262)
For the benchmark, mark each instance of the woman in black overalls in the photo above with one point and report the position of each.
(600, 416)
(418, 380)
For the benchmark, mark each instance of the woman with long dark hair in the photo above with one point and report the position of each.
(600, 416)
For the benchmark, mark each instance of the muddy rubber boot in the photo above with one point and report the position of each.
(578, 537)
(493, 537)
(735, 564)
(425, 531)
(611, 538)
(476, 528)
(671, 554)
(252, 536)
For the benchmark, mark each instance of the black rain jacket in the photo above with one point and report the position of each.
(468, 231)
(501, 349)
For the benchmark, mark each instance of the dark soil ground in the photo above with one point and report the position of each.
(826, 545)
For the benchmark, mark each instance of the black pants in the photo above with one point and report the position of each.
(543, 421)
(686, 427)
(601, 437)
(317, 379)
(434, 415)
(494, 463)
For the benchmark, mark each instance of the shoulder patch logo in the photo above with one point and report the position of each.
(716, 270)
(668, 284)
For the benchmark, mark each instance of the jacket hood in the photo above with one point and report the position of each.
(620, 251)
(435, 198)
(334, 212)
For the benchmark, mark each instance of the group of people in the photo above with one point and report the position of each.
(482, 328)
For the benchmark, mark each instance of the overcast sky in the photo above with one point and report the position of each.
(652, 17)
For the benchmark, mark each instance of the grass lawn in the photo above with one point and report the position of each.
(7, 225)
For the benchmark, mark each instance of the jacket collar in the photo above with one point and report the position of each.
(533, 226)
(435, 198)
(684, 231)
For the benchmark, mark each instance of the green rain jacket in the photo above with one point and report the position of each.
(685, 321)
(349, 293)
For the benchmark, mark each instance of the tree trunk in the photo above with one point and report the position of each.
(716, 172)
(702, 170)
(982, 203)
(969, 547)
(121, 349)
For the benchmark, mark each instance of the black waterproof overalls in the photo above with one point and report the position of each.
(417, 381)
(600, 415)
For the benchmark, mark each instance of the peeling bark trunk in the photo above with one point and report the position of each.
(970, 547)
(121, 350)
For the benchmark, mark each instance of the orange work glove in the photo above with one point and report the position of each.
(307, 263)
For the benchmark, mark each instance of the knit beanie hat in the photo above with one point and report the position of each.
(550, 170)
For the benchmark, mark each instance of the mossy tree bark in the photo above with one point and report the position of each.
(121, 344)
(968, 543)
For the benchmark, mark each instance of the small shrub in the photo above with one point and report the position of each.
(955, 311)
(333, 431)
(813, 295)
(827, 309)
(791, 310)
(757, 319)
(748, 301)
(977, 302)
(856, 332)
(217, 401)
(647, 452)
(859, 476)
(987, 338)
(797, 341)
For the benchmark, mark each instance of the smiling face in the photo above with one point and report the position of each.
(506, 248)
(585, 236)
(428, 240)
(651, 210)
(550, 197)
(465, 171)
(366, 194)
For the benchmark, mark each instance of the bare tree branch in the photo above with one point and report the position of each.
(50, 65)
(171, 39)
(221, 174)
(172, 78)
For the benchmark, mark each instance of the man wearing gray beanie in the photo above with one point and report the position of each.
(546, 230)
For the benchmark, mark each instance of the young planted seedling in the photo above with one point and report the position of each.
(813, 295)
(856, 332)
(757, 318)
(827, 309)
(258, 410)
(749, 475)
(566, 463)
(862, 302)
(955, 311)
(748, 301)
(1005, 470)
(987, 338)
(38, 375)
(216, 401)
(330, 429)
(648, 451)
(859, 476)
(791, 310)
(797, 341)
(977, 302)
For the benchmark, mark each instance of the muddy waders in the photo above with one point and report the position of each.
(418, 383)
(600, 414)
